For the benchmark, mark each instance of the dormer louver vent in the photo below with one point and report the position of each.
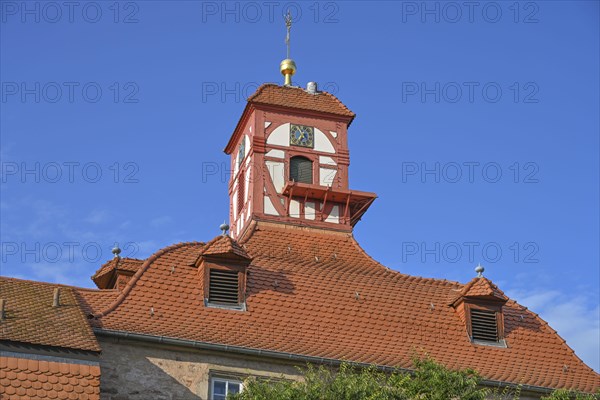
(484, 325)
(224, 287)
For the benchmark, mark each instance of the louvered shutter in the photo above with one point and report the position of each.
(484, 325)
(223, 287)
(241, 192)
(301, 170)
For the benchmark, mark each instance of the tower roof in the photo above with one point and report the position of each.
(292, 98)
(296, 97)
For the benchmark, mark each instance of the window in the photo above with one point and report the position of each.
(484, 326)
(221, 387)
(241, 153)
(241, 192)
(301, 170)
(223, 287)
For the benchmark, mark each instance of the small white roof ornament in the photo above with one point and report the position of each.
(116, 251)
(224, 228)
(479, 269)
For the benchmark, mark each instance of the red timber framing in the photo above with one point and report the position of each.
(271, 195)
(353, 203)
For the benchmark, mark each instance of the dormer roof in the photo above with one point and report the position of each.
(225, 246)
(108, 271)
(480, 288)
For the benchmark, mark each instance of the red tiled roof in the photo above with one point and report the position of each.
(317, 293)
(294, 97)
(22, 378)
(224, 245)
(31, 318)
(92, 299)
(480, 287)
(104, 274)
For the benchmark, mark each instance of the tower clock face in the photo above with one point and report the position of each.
(301, 135)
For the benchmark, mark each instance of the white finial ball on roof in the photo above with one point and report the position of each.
(116, 251)
(479, 269)
(224, 228)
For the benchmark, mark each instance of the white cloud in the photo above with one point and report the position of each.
(574, 315)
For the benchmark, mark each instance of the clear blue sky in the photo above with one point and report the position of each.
(114, 119)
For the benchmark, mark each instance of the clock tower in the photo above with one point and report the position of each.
(289, 159)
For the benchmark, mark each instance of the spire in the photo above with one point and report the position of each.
(288, 25)
(288, 66)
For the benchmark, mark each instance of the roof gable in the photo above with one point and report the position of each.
(480, 288)
(107, 271)
(225, 246)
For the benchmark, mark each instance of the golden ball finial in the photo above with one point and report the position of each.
(287, 68)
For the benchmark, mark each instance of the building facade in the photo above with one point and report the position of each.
(289, 285)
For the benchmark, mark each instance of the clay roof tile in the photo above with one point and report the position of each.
(295, 97)
(31, 317)
(300, 306)
(29, 380)
(225, 245)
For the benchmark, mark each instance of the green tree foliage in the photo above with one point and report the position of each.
(569, 395)
(430, 381)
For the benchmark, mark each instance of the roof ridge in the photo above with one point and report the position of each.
(338, 100)
(564, 342)
(259, 90)
(96, 290)
(107, 266)
(83, 318)
(262, 87)
(47, 283)
(232, 245)
(131, 283)
(350, 238)
(435, 280)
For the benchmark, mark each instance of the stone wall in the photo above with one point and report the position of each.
(135, 371)
(139, 371)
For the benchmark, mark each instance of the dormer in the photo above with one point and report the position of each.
(222, 270)
(116, 273)
(479, 305)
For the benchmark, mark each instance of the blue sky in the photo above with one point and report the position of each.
(477, 127)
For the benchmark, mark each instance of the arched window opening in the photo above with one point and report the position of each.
(301, 170)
